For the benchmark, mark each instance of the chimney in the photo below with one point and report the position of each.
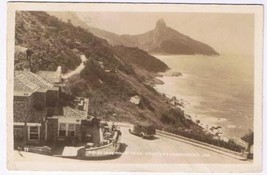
(59, 72)
(28, 55)
(81, 104)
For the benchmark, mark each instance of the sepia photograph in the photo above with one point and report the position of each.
(134, 87)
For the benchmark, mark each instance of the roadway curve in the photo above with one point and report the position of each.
(158, 150)
(77, 70)
(166, 150)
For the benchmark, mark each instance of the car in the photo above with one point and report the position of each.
(143, 130)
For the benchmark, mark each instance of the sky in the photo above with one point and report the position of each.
(226, 33)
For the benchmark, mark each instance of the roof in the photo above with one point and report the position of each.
(69, 112)
(19, 86)
(71, 115)
(26, 82)
(144, 124)
(33, 116)
(51, 76)
(74, 113)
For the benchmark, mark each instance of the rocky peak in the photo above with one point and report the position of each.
(160, 24)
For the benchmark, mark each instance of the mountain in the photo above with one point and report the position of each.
(111, 78)
(165, 40)
(162, 39)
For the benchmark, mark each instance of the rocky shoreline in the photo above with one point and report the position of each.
(183, 104)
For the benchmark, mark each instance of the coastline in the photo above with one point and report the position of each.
(187, 104)
(212, 91)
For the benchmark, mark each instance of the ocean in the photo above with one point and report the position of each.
(217, 90)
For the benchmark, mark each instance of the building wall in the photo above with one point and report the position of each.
(93, 130)
(22, 133)
(39, 100)
(52, 98)
(52, 130)
(22, 108)
(78, 131)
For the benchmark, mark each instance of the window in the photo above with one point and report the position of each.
(71, 130)
(33, 133)
(62, 130)
(66, 130)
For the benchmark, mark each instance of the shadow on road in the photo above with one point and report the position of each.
(152, 138)
(147, 138)
(118, 154)
(123, 147)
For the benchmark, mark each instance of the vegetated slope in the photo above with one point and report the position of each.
(72, 17)
(111, 77)
(69, 17)
(141, 58)
(52, 42)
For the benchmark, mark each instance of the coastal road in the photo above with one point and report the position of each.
(159, 154)
(157, 150)
(166, 150)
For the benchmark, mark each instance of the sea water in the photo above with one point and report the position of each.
(217, 90)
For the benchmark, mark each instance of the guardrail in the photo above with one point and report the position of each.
(233, 154)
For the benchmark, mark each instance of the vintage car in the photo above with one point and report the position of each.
(106, 150)
(144, 130)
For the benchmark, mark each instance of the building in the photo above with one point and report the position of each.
(73, 124)
(39, 116)
(34, 96)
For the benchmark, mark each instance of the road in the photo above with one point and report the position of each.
(77, 70)
(157, 150)
(166, 150)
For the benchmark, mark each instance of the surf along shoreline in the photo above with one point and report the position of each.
(186, 104)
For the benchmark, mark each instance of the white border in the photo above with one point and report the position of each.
(3, 75)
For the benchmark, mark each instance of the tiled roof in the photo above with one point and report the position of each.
(28, 82)
(74, 113)
(52, 77)
(71, 115)
(69, 112)
(22, 87)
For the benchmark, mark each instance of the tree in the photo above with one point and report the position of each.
(249, 138)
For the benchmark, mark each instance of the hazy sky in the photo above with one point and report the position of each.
(226, 33)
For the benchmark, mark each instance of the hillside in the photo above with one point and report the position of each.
(51, 42)
(68, 17)
(112, 75)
